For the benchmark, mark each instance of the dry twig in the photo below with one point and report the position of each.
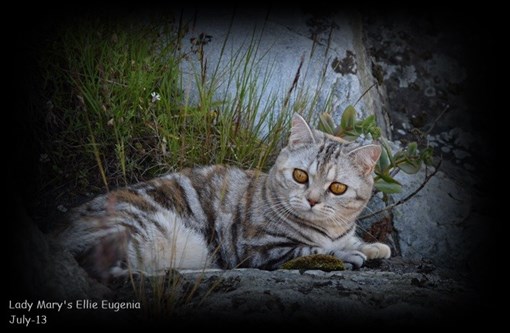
(404, 200)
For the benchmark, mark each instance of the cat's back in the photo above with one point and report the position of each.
(180, 192)
(196, 195)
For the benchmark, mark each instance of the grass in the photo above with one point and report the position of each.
(120, 109)
(127, 101)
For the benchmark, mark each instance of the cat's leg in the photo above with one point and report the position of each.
(356, 251)
(376, 250)
(353, 253)
(353, 257)
(370, 250)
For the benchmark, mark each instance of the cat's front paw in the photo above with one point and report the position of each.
(376, 250)
(355, 258)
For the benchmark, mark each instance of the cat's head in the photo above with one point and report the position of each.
(321, 178)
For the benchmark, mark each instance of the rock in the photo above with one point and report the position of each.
(460, 154)
(331, 48)
(48, 272)
(441, 222)
(363, 297)
(407, 76)
(437, 223)
(427, 84)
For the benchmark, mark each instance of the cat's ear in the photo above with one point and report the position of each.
(300, 132)
(366, 157)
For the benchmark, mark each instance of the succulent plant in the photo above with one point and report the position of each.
(408, 159)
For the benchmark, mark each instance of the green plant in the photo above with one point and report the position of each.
(408, 159)
(323, 262)
(121, 111)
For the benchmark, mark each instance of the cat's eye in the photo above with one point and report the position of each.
(300, 176)
(337, 188)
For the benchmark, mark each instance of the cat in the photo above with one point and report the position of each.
(225, 217)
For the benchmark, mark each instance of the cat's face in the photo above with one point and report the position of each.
(320, 179)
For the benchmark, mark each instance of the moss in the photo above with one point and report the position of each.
(321, 262)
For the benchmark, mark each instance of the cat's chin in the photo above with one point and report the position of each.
(309, 214)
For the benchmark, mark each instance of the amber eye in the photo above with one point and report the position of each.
(337, 188)
(300, 176)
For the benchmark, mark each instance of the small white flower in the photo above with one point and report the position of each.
(155, 97)
(62, 208)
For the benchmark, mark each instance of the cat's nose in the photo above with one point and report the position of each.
(312, 202)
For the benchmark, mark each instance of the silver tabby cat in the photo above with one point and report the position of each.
(225, 217)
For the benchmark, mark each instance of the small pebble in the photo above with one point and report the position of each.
(446, 136)
(445, 149)
(460, 154)
(430, 92)
(464, 139)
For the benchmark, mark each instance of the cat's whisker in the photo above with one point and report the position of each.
(370, 210)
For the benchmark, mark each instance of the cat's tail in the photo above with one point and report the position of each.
(98, 244)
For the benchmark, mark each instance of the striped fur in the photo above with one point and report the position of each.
(225, 217)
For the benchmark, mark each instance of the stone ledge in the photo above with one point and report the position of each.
(346, 297)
